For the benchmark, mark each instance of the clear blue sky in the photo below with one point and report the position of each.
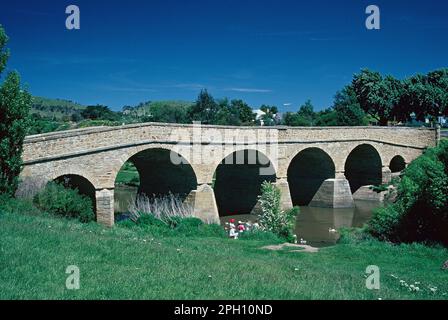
(274, 52)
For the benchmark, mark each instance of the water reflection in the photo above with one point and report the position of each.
(313, 224)
(123, 197)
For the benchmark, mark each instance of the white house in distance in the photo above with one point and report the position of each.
(258, 115)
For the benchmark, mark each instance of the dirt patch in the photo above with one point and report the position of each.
(292, 248)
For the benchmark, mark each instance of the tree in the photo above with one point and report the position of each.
(347, 108)
(245, 113)
(99, 112)
(204, 109)
(293, 119)
(377, 95)
(168, 112)
(426, 95)
(270, 113)
(272, 218)
(305, 117)
(15, 104)
(227, 114)
(306, 112)
(439, 80)
(326, 118)
(420, 212)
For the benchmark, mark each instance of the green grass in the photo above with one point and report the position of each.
(123, 263)
(128, 175)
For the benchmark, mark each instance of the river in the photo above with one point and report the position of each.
(313, 224)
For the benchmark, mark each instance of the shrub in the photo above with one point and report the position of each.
(61, 201)
(195, 227)
(354, 236)
(420, 212)
(272, 217)
(165, 208)
(17, 206)
(150, 220)
(29, 187)
(191, 227)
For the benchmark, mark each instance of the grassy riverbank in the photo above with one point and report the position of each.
(121, 263)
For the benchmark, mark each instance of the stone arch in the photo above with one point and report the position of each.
(397, 164)
(363, 167)
(80, 183)
(159, 175)
(238, 179)
(129, 153)
(306, 172)
(68, 170)
(219, 157)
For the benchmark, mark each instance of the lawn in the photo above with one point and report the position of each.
(128, 175)
(122, 263)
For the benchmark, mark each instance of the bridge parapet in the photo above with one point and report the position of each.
(73, 142)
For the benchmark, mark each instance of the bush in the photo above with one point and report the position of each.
(61, 201)
(354, 236)
(150, 220)
(191, 227)
(420, 212)
(17, 206)
(165, 208)
(272, 218)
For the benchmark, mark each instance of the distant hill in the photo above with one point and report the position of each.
(61, 110)
(57, 109)
(146, 108)
(170, 111)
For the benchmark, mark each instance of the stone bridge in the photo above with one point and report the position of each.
(219, 169)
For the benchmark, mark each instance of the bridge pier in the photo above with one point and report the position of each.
(386, 175)
(285, 195)
(334, 193)
(105, 207)
(204, 204)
